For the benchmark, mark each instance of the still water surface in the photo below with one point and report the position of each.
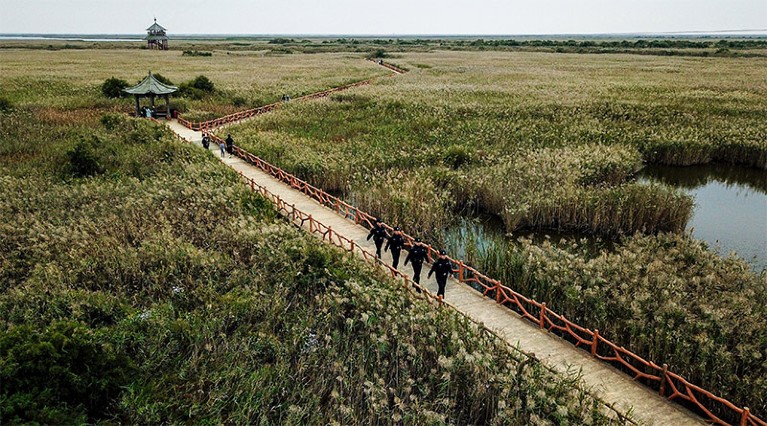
(730, 212)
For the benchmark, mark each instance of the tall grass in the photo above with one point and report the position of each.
(667, 298)
(71, 79)
(550, 143)
(160, 289)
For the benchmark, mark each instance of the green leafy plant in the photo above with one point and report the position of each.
(113, 87)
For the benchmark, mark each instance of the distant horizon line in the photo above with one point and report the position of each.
(750, 32)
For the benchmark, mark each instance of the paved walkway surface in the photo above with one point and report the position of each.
(605, 382)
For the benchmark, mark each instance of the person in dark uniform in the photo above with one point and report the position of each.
(378, 232)
(229, 145)
(442, 268)
(416, 257)
(206, 141)
(396, 242)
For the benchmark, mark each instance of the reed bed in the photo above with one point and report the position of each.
(187, 287)
(141, 282)
(551, 142)
(666, 297)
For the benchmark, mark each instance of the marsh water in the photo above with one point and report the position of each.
(730, 214)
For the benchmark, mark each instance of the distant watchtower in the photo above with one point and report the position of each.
(156, 37)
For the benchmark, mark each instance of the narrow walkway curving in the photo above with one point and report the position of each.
(606, 382)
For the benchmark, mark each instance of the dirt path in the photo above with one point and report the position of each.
(607, 383)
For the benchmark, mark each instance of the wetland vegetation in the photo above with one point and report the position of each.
(553, 142)
(141, 282)
(148, 256)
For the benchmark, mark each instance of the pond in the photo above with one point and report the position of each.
(730, 212)
(730, 215)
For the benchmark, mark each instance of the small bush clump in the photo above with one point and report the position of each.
(83, 159)
(196, 53)
(113, 87)
(197, 88)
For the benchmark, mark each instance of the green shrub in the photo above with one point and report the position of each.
(113, 87)
(203, 83)
(190, 92)
(83, 160)
(379, 53)
(197, 88)
(5, 105)
(59, 375)
(196, 53)
(163, 79)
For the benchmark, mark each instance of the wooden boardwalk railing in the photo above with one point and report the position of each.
(668, 384)
(238, 116)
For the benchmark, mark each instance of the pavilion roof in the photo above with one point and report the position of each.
(156, 28)
(151, 86)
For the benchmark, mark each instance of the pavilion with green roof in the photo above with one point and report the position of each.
(151, 88)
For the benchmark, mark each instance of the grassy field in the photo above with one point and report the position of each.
(71, 79)
(540, 140)
(141, 283)
(551, 141)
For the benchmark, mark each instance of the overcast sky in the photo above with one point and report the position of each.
(382, 17)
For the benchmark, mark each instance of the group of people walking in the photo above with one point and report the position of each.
(442, 268)
(417, 254)
(226, 146)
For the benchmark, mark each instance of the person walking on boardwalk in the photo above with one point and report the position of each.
(222, 146)
(378, 232)
(416, 257)
(206, 141)
(441, 269)
(229, 145)
(396, 242)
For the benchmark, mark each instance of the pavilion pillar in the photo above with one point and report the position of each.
(138, 106)
(151, 98)
(167, 107)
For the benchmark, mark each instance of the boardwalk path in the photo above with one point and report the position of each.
(607, 383)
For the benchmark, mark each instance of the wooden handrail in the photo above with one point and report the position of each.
(555, 323)
(583, 337)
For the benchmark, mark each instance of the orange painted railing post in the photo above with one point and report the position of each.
(310, 224)
(541, 320)
(460, 271)
(330, 234)
(497, 292)
(595, 342)
(662, 390)
(744, 416)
